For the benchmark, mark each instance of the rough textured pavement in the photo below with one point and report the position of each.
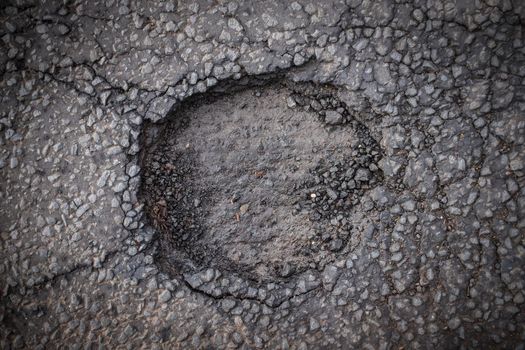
(439, 84)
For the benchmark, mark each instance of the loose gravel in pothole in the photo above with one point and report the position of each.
(261, 183)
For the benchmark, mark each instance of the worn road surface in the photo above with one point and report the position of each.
(262, 174)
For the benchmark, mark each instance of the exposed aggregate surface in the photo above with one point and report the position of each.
(437, 87)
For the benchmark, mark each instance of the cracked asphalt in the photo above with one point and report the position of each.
(437, 258)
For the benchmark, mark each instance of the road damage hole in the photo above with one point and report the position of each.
(260, 183)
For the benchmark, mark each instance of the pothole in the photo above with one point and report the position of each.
(260, 184)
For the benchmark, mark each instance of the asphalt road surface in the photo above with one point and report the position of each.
(262, 174)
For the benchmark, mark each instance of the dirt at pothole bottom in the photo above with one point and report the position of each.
(260, 183)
